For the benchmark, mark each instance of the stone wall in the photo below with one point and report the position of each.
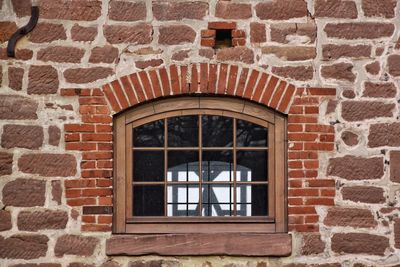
(56, 118)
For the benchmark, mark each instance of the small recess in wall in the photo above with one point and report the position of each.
(222, 34)
(223, 38)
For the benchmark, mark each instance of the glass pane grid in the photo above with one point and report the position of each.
(202, 169)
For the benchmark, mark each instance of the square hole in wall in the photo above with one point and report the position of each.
(223, 38)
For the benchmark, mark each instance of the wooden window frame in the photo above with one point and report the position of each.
(225, 106)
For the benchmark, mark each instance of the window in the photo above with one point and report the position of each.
(200, 165)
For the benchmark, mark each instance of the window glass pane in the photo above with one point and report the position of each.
(217, 166)
(250, 135)
(148, 166)
(217, 200)
(183, 131)
(183, 166)
(252, 166)
(252, 200)
(149, 135)
(217, 131)
(148, 200)
(183, 200)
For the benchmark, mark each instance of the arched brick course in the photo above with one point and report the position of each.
(203, 78)
(93, 137)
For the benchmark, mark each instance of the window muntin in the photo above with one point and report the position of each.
(124, 127)
(228, 181)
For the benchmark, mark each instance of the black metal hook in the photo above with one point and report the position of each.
(23, 31)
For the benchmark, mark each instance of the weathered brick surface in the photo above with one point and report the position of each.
(87, 75)
(356, 168)
(257, 32)
(350, 138)
(6, 30)
(15, 76)
(236, 54)
(353, 30)
(14, 107)
(43, 80)
(384, 8)
(75, 245)
(379, 90)
(75, 10)
(359, 243)
(300, 73)
(172, 10)
(127, 11)
(363, 110)
(137, 34)
(47, 32)
(332, 51)
(395, 166)
(23, 136)
(83, 34)
(23, 246)
(363, 194)
(384, 134)
(335, 9)
(227, 10)
(61, 54)
(5, 220)
(357, 218)
(287, 32)
(41, 220)
(397, 233)
(105, 54)
(291, 53)
(24, 193)
(54, 135)
(394, 65)
(339, 71)
(281, 9)
(176, 34)
(48, 164)
(312, 244)
(6, 160)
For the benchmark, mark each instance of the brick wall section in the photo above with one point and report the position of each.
(55, 142)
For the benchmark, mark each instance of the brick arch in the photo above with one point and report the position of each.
(92, 138)
(212, 79)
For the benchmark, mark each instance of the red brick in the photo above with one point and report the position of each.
(127, 11)
(76, 10)
(83, 34)
(138, 34)
(222, 25)
(172, 10)
(228, 10)
(176, 34)
(335, 9)
(281, 9)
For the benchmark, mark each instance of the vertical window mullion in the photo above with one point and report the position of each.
(200, 166)
(234, 169)
(165, 167)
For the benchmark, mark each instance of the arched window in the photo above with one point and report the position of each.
(200, 165)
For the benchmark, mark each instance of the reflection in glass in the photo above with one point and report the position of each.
(148, 166)
(256, 162)
(217, 166)
(250, 135)
(252, 200)
(183, 131)
(148, 200)
(217, 131)
(217, 200)
(149, 135)
(183, 166)
(183, 200)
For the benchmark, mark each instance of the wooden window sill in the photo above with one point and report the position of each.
(243, 244)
